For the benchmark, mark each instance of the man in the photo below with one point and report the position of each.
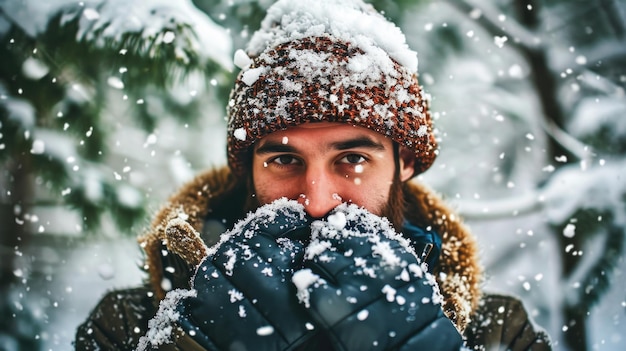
(330, 246)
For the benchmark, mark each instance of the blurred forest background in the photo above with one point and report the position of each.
(107, 106)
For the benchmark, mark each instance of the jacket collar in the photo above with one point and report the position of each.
(177, 226)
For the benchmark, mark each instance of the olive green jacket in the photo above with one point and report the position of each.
(198, 213)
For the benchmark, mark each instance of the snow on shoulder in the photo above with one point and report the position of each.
(349, 20)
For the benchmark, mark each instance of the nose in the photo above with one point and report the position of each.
(320, 194)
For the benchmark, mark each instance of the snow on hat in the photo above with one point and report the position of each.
(328, 61)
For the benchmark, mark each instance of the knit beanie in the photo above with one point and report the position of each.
(328, 61)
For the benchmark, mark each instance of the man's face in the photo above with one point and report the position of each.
(324, 164)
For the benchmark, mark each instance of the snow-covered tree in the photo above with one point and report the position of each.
(532, 102)
(63, 64)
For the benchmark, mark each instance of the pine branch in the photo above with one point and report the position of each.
(162, 48)
(91, 189)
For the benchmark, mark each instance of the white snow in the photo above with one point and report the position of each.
(250, 76)
(92, 185)
(422, 130)
(362, 315)
(240, 133)
(160, 327)
(607, 113)
(384, 250)
(128, 196)
(264, 214)
(168, 37)
(337, 220)
(241, 59)
(38, 147)
(57, 145)
(377, 41)
(115, 18)
(230, 263)
(235, 295)
(265, 330)
(569, 231)
(417, 270)
(115, 83)
(600, 187)
(390, 293)
(377, 232)
(303, 279)
(499, 41)
(317, 247)
(242, 311)
(34, 69)
(91, 14)
(106, 271)
(352, 21)
(153, 18)
(31, 16)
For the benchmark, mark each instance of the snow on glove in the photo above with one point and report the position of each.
(364, 285)
(244, 297)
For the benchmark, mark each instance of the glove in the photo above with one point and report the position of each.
(244, 299)
(364, 286)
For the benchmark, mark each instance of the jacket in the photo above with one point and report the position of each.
(214, 201)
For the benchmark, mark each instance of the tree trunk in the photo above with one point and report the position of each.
(18, 196)
(21, 324)
(546, 86)
(574, 315)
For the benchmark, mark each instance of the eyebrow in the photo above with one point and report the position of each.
(358, 142)
(269, 147)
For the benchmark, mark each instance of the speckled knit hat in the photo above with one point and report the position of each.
(332, 61)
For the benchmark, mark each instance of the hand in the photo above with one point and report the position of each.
(244, 297)
(364, 285)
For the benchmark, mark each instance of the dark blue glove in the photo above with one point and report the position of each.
(245, 299)
(364, 286)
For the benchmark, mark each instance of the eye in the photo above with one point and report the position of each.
(284, 160)
(353, 159)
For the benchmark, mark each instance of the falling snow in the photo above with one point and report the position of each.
(486, 112)
(240, 134)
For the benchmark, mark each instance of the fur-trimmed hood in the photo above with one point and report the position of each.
(177, 239)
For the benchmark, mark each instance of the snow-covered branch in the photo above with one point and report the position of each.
(158, 22)
(574, 146)
(568, 190)
(500, 208)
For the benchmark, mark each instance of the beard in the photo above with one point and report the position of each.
(395, 208)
